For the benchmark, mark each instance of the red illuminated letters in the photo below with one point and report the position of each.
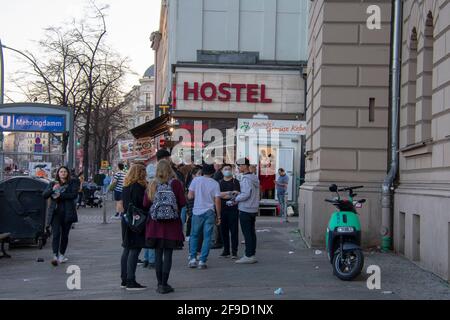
(210, 92)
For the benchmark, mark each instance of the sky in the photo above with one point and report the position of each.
(129, 23)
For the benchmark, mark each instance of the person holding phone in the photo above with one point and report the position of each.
(62, 212)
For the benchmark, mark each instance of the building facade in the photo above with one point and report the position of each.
(422, 198)
(274, 29)
(230, 65)
(138, 106)
(348, 123)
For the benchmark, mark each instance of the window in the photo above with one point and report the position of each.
(148, 99)
(410, 91)
(147, 118)
(424, 83)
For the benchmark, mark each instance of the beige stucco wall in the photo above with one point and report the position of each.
(162, 60)
(347, 65)
(423, 194)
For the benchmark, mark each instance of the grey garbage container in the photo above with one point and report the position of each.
(23, 210)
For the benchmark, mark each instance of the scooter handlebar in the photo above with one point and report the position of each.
(351, 188)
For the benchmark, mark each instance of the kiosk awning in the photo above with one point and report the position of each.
(152, 128)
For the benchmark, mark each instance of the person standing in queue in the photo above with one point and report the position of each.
(117, 182)
(206, 213)
(229, 188)
(134, 187)
(164, 194)
(62, 212)
(282, 184)
(217, 242)
(248, 202)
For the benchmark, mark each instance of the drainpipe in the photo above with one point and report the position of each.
(388, 184)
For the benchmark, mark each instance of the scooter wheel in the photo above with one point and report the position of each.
(348, 267)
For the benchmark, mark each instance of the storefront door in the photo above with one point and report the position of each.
(285, 160)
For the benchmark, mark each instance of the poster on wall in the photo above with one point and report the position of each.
(290, 127)
(126, 149)
(40, 169)
(144, 148)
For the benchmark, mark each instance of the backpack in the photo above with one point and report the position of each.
(164, 206)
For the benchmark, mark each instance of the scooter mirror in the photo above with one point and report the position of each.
(333, 188)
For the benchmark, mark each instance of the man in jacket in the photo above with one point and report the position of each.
(248, 204)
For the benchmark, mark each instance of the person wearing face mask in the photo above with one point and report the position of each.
(229, 188)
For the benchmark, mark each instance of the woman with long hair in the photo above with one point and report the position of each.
(62, 212)
(164, 235)
(134, 186)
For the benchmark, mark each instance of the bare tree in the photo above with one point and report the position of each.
(78, 70)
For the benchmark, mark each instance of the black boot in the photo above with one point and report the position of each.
(165, 288)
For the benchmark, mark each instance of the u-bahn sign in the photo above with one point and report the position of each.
(36, 117)
(33, 123)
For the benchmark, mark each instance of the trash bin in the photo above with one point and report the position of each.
(23, 210)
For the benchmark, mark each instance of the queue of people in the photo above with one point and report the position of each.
(158, 207)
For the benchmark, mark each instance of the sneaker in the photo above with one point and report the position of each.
(224, 255)
(202, 265)
(193, 263)
(54, 261)
(62, 259)
(246, 260)
(123, 284)
(165, 289)
(134, 286)
(234, 257)
(243, 242)
(140, 262)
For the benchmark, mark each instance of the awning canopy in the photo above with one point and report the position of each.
(152, 128)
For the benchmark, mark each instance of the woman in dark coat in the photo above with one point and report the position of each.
(165, 235)
(62, 212)
(133, 193)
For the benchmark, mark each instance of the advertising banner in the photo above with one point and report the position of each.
(280, 126)
(144, 148)
(40, 169)
(126, 149)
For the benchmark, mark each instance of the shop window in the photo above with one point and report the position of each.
(410, 103)
(425, 80)
(267, 171)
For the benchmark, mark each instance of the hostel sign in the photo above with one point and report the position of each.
(250, 93)
(33, 123)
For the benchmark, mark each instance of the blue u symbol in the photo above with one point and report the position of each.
(5, 122)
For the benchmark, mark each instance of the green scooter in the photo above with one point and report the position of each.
(343, 238)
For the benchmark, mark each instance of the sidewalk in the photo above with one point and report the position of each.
(284, 262)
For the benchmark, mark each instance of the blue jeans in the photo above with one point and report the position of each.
(183, 215)
(283, 203)
(149, 255)
(203, 224)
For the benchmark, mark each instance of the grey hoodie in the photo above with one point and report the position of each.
(248, 199)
